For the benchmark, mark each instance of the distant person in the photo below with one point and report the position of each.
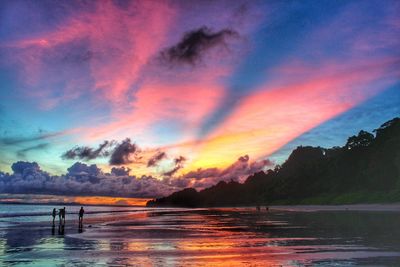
(60, 211)
(258, 208)
(266, 208)
(54, 214)
(63, 214)
(81, 212)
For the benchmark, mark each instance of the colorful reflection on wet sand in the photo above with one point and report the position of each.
(211, 237)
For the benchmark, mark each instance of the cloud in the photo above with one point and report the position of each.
(83, 169)
(179, 159)
(195, 43)
(24, 168)
(124, 153)
(102, 40)
(156, 158)
(80, 180)
(89, 180)
(178, 165)
(21, 140)
(283, 109)
(88, 153)
(237, 171)
(120, 171)
(173, 171)
(22, 152)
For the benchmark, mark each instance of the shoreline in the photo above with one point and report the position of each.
(293, 207)
(341, 207)
(307, 208)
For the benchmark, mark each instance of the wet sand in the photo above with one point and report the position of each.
(284, 236)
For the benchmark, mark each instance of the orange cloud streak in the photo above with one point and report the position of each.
(278, 113)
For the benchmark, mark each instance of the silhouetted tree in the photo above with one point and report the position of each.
(366, 169)
(363, 139)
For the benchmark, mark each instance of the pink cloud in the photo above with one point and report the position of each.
(115, 42)
(281, 110)
(186, 102)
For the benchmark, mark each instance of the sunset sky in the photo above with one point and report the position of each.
(155, 96)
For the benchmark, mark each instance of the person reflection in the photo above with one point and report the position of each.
(61, 229)
(53, 229)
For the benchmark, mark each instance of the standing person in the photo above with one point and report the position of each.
(60, 211)
(81, 212)
(63, 214)
(54, 215)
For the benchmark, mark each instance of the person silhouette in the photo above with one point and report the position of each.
(81, 212)
(63, 214)
(54, 215)
(60, 211)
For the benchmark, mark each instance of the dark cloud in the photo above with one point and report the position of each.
(88, 153)
(120, 171)
(24, 168)
(156, 158)
(22, 152)
(124, 153)
(21, 140)
(81, 180)
(194, 44)
(178, 165)
(173, 171)
(179, 159)
(83, 169)
(203, 173)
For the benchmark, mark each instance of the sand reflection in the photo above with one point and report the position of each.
(212, 237)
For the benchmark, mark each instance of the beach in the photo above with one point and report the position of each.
(347, 235)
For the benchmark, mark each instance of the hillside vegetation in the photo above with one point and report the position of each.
(365, 170)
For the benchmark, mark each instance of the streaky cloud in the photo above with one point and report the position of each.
(22, 140)
(153, 161)
(87, 153)
(178, 165)
(22, 152)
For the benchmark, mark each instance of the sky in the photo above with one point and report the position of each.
(143, 98)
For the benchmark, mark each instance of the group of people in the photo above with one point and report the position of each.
(61, 216)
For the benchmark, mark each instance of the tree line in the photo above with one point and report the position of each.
(365, 170)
